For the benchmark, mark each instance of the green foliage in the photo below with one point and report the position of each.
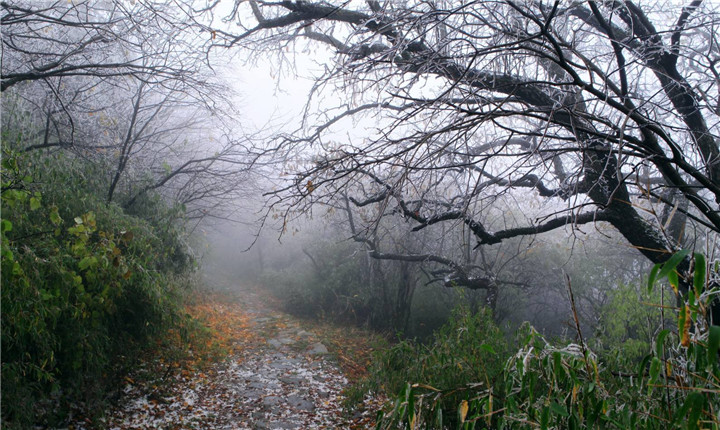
(337, 286)
(464, 357)
(628, 323)
(83, 286)
(675, 385)
(336, 280)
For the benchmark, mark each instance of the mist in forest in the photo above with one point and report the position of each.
(493, 184)
(317, 271)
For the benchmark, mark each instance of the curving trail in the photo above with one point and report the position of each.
(279, 376)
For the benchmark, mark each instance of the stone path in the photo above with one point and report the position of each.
(291, 384)
(285, 380)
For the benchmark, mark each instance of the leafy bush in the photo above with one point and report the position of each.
(465, 355)
(83, 286)
(629, 324)
(675, 385)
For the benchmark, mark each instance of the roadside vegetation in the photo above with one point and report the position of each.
(85, 285)
(669, 378)
(647, 362)
(103, 181)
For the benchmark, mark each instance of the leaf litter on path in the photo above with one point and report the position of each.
(276, 376)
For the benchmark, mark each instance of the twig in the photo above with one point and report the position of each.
(577, 324)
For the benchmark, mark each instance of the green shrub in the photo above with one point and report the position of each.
(83, 286)
(675, 385)
(629, 322)
(465, 355)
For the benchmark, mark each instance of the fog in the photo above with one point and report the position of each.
(410, 169)
(353, 214)
(315, 270)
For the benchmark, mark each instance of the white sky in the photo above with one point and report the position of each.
(265, 101)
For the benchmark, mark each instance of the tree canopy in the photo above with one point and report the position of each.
(129, 87)
(496, 119)
(578, 112)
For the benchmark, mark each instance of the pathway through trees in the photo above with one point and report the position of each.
(279, 376)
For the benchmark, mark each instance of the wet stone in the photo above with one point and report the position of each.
(252, 394)
(300, 403)
(264, 425)
(262, 385)
(271, 401)
(282, 365)
(319, 378)
(318, 349)
(290, 380)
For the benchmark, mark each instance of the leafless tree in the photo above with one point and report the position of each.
(149, 40)
(128, 85)
(600, 112)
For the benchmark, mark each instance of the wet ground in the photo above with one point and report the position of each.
(281, 377)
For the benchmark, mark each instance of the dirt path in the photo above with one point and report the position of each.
(280, 376)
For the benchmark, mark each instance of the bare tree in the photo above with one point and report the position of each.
(128, 86)
(148, 40)
(598, 108)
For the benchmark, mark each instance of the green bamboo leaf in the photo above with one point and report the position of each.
(487, 348)
(672, 262)
(674, 281)
(713, 344)
(653, 276)
(544, 418)
(379, 419)
(691, 299)
(557, 365)
(558, 409)
(696, 401)
(655, 366)
(438, 417)
(699, 277)
(410, 397)
(659, 341)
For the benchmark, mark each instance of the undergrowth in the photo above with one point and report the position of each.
(467, 353)
(467, 378)
(85, 287)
